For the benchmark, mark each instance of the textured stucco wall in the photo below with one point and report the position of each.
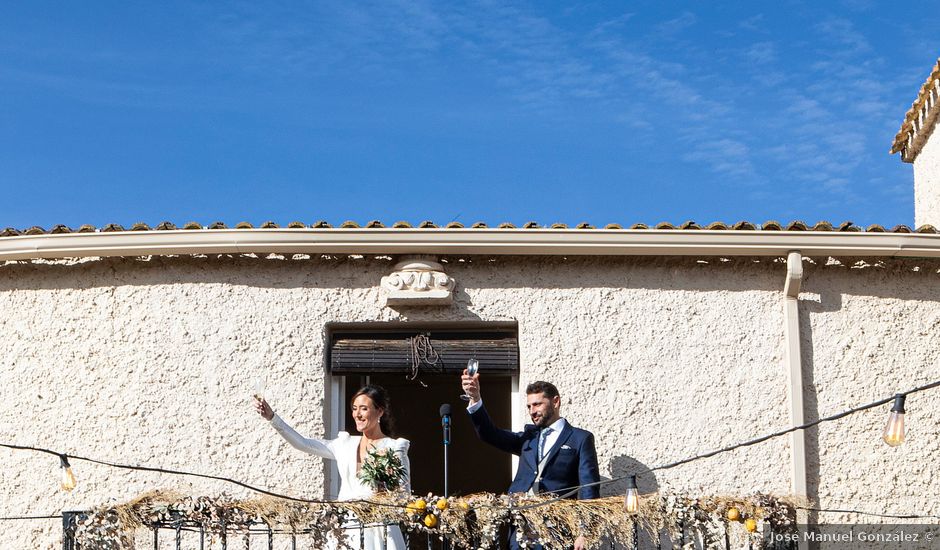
(153, 361)
(927, 183)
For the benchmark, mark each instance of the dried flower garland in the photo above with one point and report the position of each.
(470, 522)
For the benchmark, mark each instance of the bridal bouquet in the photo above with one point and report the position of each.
(382, 470)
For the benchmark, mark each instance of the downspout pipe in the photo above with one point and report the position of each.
(791, 293)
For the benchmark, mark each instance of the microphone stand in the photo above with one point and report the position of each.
(445, 425)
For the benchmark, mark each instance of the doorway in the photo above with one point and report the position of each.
(473, 465)
(420, 366)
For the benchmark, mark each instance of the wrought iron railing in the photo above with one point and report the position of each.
(179, 534)
(182, 534)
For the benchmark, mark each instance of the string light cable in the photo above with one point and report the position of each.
(571, 491)
(564, 493)
(64, 457)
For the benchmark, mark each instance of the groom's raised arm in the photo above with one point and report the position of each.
(505, 440)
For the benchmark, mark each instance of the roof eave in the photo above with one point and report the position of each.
(523, 242)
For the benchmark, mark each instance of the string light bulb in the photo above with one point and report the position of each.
(68, 477)
(631, 501)
(894, 430)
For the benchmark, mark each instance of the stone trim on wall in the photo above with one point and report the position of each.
(418, 281)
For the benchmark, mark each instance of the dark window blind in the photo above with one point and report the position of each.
(391, 352)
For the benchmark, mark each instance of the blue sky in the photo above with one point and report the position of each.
(554, 112)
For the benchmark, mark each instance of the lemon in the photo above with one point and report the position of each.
(430, 520)
(464, 505)
(751, 525)
(441, 504)
(416, 507)
(733, 514)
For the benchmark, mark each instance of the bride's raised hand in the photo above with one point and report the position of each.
(264, 409)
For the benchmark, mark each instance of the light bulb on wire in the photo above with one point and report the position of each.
(631, 501)
(68, 477)
(894, 430)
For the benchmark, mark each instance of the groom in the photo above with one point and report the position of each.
(553, 455)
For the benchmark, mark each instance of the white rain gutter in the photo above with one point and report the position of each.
(565, 242)
(794, 360)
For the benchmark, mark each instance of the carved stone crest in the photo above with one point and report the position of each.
(418, 281)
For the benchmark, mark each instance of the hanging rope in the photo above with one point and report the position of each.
(422, 352)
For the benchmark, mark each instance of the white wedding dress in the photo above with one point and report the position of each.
(345, 451)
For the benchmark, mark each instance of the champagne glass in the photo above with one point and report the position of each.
(259, 389)
(473, 367)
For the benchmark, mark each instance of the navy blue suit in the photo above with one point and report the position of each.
(570, 463)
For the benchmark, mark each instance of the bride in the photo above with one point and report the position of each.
(370, 411)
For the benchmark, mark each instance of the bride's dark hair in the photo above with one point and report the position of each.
(380, 399)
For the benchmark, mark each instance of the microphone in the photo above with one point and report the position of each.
(445, 422)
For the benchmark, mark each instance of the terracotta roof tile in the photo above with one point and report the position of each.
(771, 225)
(796, 225)
(690, 225)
